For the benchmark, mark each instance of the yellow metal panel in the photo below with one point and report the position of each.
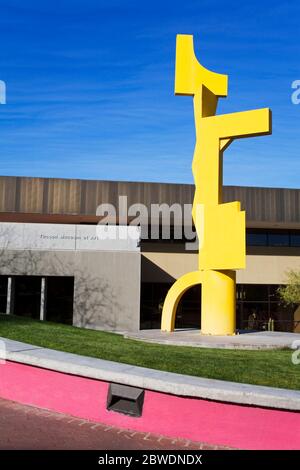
(220, 227)
(190, 75)
(223, 240)
(218, 303)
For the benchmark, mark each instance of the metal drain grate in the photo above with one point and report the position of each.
(126, 400)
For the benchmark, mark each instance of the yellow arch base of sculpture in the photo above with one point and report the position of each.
(217, 302)
(173, 298)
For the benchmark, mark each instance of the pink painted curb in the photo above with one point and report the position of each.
(216, 423)
(232, 425)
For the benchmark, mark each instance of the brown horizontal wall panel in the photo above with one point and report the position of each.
(58, 196)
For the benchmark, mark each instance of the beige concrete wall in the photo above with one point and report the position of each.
(260, 268)
(106, 284)
(266, 269)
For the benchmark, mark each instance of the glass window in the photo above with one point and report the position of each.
(278, 239)
(255, 292)
(273, 293)
(295, 239)
(256, 304)
(256, 239)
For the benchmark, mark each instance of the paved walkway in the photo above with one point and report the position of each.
(244, 340)
(24, 427)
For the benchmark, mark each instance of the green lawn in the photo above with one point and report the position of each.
(272, 368)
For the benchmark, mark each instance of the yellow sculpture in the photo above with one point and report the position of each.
(220, 227)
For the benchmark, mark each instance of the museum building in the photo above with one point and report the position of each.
(57, 266)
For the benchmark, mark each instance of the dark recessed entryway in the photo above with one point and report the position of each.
(3, 293)
(42, 298)
(27, 296)
(59, 299)
(152, 299)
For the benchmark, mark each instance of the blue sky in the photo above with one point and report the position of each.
(90, 87)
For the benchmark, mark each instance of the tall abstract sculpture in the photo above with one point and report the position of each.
(220, 227)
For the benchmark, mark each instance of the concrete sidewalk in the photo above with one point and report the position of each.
(244, 340)
(150, 379)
